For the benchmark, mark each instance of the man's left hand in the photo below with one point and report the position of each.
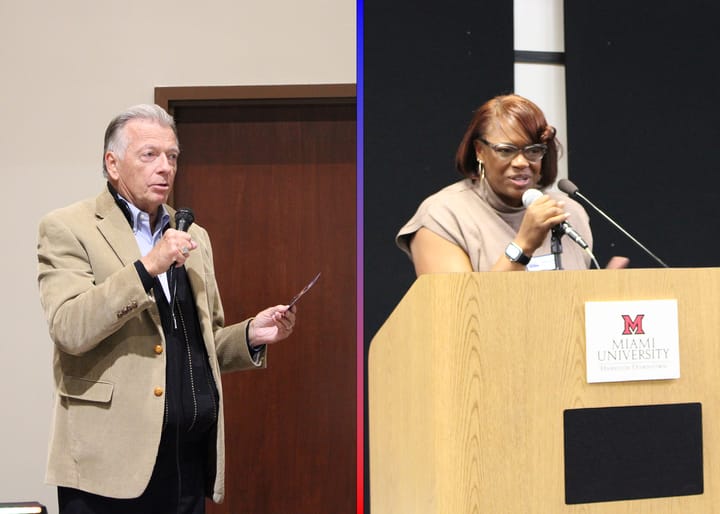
(272, 325)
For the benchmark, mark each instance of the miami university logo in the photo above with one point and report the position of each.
(633, 326)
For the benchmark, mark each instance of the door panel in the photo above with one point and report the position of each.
(274, 184)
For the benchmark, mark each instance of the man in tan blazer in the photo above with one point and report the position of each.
(134, 311)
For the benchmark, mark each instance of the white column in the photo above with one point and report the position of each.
(538, 26)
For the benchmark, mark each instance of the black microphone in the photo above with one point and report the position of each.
(531, 195)
(571, 190)
(183, 219)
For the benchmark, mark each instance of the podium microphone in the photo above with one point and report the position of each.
(571, 190)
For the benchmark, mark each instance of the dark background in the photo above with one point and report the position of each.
(642, 87)
(427, 66)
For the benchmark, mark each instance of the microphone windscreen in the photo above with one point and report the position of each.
(567, 187)
(183, 219)
(530, 196)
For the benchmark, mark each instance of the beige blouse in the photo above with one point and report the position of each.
(469, 214)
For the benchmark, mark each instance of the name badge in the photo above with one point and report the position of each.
(542, 263)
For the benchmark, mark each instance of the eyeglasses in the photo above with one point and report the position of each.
(507, 151)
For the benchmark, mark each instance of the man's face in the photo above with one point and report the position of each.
(144, 175)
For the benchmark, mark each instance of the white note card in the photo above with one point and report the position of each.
(632, 340)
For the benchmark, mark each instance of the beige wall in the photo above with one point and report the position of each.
(65, 69)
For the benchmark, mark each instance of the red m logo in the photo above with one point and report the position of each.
(633, 326)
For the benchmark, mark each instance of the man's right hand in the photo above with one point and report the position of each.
(174, 248)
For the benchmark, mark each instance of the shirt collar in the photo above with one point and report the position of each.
(137, 218)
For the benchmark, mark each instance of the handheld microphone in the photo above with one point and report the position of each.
(571, 190)
(531, 195)
(183, 219)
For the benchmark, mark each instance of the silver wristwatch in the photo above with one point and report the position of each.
(515, 254)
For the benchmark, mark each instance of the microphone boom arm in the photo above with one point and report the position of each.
(627, 234)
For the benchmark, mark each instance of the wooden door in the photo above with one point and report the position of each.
(274, 183)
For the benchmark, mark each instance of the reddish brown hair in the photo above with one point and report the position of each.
(517, 114)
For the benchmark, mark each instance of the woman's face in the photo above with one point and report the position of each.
(509, 175)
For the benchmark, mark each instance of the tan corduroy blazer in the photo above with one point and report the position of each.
(109, 370)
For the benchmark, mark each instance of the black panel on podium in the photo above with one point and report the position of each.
(633, 452)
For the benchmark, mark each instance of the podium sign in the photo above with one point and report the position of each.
(632, 340)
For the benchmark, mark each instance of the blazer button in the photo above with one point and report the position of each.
(158, 349)
(158, 391)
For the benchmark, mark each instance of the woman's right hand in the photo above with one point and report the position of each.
(540, 217)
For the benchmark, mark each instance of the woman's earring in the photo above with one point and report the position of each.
(481, 170)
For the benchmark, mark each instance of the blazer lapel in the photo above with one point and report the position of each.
(114, 227)
(196, 274)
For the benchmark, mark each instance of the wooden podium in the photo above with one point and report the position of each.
(470, 376)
